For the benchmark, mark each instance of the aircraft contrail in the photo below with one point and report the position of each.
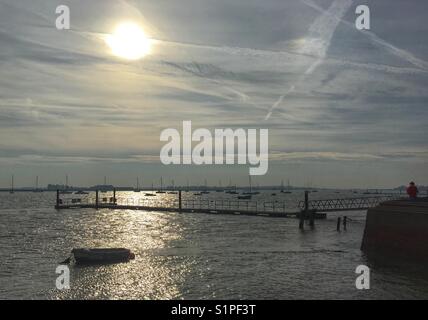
(318, 41)
(403, 54)
(328, 22)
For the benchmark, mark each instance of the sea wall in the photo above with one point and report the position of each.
(397, 228)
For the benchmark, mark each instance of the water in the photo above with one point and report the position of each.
(190, 256)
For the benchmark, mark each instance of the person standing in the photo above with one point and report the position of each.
(412, 190)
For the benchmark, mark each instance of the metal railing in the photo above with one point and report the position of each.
(361, 203)
(186, 204)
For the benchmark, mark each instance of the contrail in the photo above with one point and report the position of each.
(403, 54)
(319, 38)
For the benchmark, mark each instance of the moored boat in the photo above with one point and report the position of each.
(102, 255)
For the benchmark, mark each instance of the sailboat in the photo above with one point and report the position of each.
(138, 186)
(37, 190)
(65, 191)
(220, 189)
(257, 190)
(12, 188)
(251, 192)
(288, 187)
(172, 187)
(230, 191)
(150, 194)
(161, 186)
(247, 195)
(206, 188)
(104, 185)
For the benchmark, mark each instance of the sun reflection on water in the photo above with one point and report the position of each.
(149, 276)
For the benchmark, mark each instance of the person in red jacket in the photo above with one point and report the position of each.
(412, 190)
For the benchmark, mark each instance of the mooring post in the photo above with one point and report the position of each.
(179, 201)
(114, 196)
(302, 220)
(306, 201)
(304, 212)
(96, 199)
(338, 224)
(311, 213)
(57, 198)
(345, 220)
(312, 218)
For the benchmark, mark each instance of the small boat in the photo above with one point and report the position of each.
(81, 192)
(66, 192)
(245, 197)
(101, 256)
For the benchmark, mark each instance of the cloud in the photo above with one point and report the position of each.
(328, 91)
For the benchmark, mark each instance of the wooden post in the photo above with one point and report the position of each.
(345, 220)
(312, 218)
(114, 196)
(338, 224)
(179, 201)
(311, 213)
(96, 199)
(302, 220)
(57, 199)
(306, 201)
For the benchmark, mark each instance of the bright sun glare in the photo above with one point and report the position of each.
(129, 41)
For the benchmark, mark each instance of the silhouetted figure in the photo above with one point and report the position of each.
(412, 190)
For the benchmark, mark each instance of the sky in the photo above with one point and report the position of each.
(345, 108)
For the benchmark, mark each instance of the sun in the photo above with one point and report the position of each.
(128, 41)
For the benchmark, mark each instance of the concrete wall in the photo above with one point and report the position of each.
(398, 228)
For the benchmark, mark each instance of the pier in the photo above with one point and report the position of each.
(306, 210)
(346, 204)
